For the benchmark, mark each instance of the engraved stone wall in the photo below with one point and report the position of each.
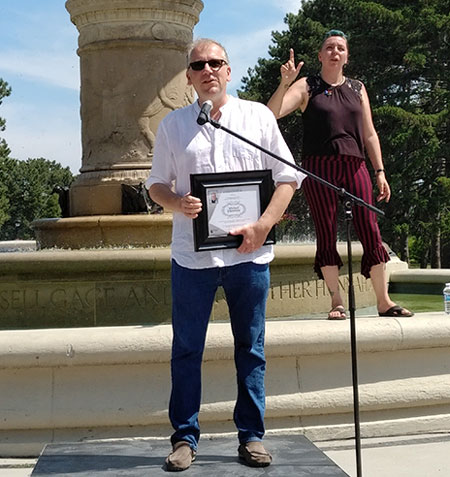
(58, 289)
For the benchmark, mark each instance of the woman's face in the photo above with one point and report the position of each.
(334, 52)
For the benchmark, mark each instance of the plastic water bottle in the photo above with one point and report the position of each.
(447, 298)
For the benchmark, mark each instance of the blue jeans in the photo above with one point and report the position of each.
(246, 287)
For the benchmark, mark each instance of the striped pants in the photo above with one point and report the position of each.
(350, 173)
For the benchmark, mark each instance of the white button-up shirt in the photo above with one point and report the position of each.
(183, 147)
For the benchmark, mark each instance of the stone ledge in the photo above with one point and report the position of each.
(139, 230)
(76, 384)
(419, 281)
(421, 275)
(130, 258)
(151, 344)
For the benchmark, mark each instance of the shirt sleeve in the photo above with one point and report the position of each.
(163, 164)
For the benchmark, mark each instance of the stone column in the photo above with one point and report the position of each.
(132, 63)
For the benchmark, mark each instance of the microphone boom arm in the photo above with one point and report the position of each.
(339, 190)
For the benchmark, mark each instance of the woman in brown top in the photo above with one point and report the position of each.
(338, 132)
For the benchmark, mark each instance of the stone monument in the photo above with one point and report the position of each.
(132, 66)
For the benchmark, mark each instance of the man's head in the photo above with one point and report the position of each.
(208, 70)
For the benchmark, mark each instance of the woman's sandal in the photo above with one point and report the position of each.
(397, 311)
(337, 313)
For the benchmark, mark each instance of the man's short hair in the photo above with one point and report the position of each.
(205, 41)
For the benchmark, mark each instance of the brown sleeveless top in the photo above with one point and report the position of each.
(332, 120)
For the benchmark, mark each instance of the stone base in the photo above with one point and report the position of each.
(113, 287)
(141, 230)
(78, 385)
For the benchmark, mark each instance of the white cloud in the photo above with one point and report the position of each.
(58, 69)
(288, 6)
(53, 134)
(244, 51)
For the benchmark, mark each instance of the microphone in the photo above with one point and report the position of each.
(203, 117)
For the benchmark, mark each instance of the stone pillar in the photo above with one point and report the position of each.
(132, 63)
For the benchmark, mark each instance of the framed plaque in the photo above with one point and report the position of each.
(230, 200)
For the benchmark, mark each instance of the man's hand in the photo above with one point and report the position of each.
(163, 195)
(190, 206)
(254, 236)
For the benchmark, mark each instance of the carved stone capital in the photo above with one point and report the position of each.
(138, 20)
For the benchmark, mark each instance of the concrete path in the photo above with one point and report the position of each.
(409, 456)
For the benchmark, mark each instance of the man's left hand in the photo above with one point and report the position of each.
(254, 236)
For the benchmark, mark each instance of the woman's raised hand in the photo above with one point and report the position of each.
(289, 71)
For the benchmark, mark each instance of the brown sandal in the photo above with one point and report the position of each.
(337, 313)
(397, 311)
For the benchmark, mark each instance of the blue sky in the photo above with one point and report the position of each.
(38, 59)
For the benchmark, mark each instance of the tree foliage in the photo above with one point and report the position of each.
(400, 50)
(26, 188)
(29, 185)
(5, 91)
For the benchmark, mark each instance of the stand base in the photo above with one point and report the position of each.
(292, 455)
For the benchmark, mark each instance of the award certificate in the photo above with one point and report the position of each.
(230, 200)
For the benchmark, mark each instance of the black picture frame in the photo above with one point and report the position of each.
(232, 185)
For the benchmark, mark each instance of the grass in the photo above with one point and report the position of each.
(419, 303)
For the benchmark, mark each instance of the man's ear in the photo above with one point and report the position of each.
(228, 73)
(188, 77)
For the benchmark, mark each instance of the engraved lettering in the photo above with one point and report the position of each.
(167, 295)
(320, 288)
(34, 304)
(272, 291)
(92, 291)
(4, 303)
(77, 300)
(296, 290)
(286, 290)
(343, 283)
(306, 289)
(149, 297)
(17, 299)
(132, 297)
(108, 294)
(55, 300)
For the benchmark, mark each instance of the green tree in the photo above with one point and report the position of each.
(400, 50)
(5, 91)
(30, 186)
(4, 204)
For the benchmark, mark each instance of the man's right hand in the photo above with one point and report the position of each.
(190, 206)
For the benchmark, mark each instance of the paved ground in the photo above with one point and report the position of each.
(411, 456)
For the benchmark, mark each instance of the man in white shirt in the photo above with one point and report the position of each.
(182, 148)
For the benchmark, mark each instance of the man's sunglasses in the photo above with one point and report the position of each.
(215, 65)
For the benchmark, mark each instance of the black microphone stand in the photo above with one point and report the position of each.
(349, 201)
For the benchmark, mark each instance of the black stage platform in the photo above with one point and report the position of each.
(292, 456)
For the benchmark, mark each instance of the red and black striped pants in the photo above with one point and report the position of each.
(350, 173)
